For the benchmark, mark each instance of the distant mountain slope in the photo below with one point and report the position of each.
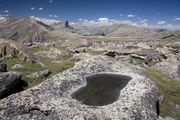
(121, 30)
(24, 30)
(63, 27)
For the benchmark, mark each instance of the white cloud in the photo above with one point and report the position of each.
(85, 20)
(51, 1)
(32, 8)
(40, 8)
(140, 23)
(161, 22)
(144, 21)
(178, 18)
(145, 25)
(103, 19)
(46, 20)
(6, 11)
(80, 19)
(130, 15)
(55, 16)
(121, 15)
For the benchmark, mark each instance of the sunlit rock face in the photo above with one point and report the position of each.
(101, 89)
(124, 94)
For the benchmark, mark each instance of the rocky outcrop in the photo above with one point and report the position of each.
(150, 55)
(175, 45)
(52, 99)
(54, 53)
(41, 54)
(14, 50)
(43, 73)
(9, 82)
(170, 67)
(113, 53)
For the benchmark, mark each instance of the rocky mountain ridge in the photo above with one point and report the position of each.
(24, 30)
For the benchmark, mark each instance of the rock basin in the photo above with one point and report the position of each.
(101, 89)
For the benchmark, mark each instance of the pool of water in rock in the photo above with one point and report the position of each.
(101, 89)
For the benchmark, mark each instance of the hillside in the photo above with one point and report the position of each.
(24, 30)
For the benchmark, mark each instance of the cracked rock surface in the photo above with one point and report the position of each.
(51, 100)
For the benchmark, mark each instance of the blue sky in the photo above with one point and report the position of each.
(160, 12)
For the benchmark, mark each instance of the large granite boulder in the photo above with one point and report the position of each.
(9, 81)
(53, 99)
(150, 55)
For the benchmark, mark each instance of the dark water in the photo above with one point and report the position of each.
(101, 89)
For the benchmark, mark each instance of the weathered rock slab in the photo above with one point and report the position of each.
(52, 99)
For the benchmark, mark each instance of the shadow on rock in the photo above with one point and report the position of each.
(10, 83)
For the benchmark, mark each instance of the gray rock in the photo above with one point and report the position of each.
(17, 66)
(138, 57)
(113, 53)
(54, 53)
(52, 99)
(41, 54)
(8, 82)
(110, 53)
(151, 55)
(178, 57)
(3, 67)
(161, 99)
(43, 73)
(170, 67)
(177, 106)
(175, 45)
(80, 50)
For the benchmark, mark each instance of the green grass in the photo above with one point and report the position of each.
(56, 68)
(29, 68)
(170, 89)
